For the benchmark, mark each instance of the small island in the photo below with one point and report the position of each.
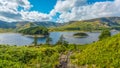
(80, 35)
(38, 31)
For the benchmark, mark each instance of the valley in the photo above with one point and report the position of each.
(59, 33)
(91, 43)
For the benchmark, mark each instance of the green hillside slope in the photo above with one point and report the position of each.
(101, 54)
(41, 56)
(81, 25)
(90, 25)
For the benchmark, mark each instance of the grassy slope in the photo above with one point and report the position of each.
(89, 25)
(101, 54)
(81, 25)
(2, 30)
(32, 57)
(28, 57)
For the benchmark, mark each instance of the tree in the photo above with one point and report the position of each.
(62, 41)
(48, 40)
(105, 33)
(38, 30)
(35, 40)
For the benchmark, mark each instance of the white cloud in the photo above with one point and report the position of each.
(71, 10)
(34, 16)
(18, 10)
(14, 4)
(66, 5)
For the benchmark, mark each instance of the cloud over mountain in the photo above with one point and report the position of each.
(18, 10)
(71, 10)
(68, 10)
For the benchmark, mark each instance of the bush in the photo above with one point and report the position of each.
(104, 34)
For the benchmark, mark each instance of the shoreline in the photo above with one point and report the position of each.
(39, 36)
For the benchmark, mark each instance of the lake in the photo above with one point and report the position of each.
(19, 39)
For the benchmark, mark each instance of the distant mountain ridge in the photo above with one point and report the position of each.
(108, 21)
(7, 25)
(20, 24)
(91, 25)
(45, 23)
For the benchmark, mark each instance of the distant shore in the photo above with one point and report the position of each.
(40, 36)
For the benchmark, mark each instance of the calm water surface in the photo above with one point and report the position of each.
(19, 39)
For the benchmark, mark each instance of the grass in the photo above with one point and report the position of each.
(44, 56)
(81, 26)
(101, 54)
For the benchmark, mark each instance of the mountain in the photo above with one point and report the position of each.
(24, 25)
(45, 23)
(21, 24)
(110, 21)
(95, 24)
(101, 54)
(92, 24)
(7, 25)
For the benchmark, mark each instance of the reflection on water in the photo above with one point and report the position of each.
(18, 39)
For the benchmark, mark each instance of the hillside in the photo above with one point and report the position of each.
(7, 25)
(37, 30)
(41, 56)
(80, 25)
(45, 24)
(89, 25)
(4, 24)
(102, 54)
(110, 21)
(86, 25)
(28, 57)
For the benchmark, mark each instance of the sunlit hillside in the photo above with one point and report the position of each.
(101, 54)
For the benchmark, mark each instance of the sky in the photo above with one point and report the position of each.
(57, 10)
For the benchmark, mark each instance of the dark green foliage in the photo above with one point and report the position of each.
(35, 40)
(80, 34)
(38, 30)
(27, 57)
(48, 40)
(32, 57)
(116, 27)
(62, 41)
(72, 28)
(35, 31)
(105, 33)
